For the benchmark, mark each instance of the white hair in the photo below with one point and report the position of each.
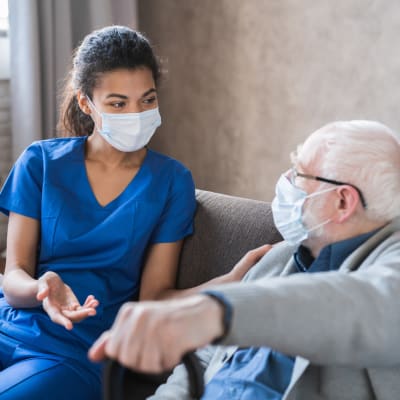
(365, 154)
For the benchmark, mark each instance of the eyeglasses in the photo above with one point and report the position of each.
(293, 174)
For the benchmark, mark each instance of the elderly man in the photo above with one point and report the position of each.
(322, 314)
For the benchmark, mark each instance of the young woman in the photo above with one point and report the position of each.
(95, 219)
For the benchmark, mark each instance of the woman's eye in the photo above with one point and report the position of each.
(150, 100)
(118, 105)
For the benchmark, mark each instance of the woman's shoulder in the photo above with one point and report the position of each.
(55, 147)
(171, 173)
(166, 162)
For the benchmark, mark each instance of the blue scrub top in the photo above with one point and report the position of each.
(95, 249)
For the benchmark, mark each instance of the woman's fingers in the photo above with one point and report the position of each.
(60, 302)
(91, 302)
(56, 316)
(79, 314)
(66, 315)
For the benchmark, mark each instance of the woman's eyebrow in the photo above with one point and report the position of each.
(121, 96)
(124, 97)
(152, 90)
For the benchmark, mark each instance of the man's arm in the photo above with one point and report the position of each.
(332, 318)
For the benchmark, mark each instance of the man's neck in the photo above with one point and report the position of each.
(316, 244)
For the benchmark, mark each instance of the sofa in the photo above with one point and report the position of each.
(226, 227)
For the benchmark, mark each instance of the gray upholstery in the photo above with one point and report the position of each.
(226, 227)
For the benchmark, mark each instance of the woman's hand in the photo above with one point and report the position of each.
(60, 302)
(247, 261)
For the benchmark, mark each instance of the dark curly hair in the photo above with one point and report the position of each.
(101, 51)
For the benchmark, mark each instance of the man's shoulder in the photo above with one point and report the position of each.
(272, 263)
(384, 243)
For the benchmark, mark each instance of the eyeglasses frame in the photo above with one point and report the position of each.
(295, 173)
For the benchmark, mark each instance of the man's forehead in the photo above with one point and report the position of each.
(298, 157)
(306, 154)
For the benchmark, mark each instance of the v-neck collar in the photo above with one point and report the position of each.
(131, 183)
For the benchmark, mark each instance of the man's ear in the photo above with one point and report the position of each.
(348, 201)
(83, 103)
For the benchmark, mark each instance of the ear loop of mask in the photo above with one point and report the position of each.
(321, 224)
(320, 192)
(94, 108)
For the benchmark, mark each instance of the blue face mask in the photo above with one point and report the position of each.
(287, 211)
(128, 131)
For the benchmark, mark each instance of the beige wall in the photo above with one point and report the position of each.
(249, 79)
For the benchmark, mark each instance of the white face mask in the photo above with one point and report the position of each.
(130, 131)
(287, 211)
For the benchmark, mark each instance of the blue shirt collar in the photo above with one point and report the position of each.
(331, 256)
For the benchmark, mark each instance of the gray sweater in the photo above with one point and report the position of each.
(343, 325)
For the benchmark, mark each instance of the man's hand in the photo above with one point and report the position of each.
(60, 302)
(154, 336)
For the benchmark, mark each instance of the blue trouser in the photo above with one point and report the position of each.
(28, 374)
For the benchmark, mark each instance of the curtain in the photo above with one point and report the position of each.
(43, 34)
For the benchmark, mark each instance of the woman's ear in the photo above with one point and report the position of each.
(348, 201)
(83, 103)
